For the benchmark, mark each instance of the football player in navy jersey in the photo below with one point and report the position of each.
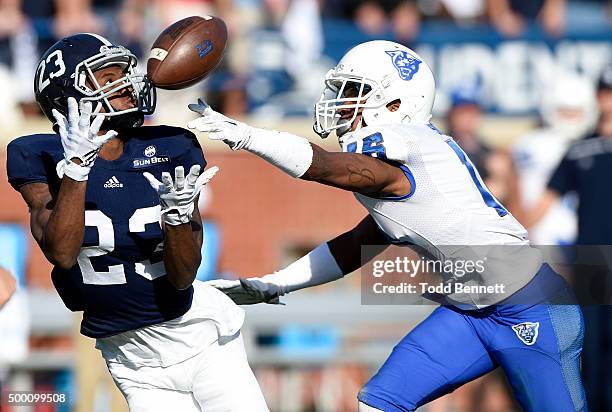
(112, 206)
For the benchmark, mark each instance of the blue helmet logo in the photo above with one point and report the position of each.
(405, 64)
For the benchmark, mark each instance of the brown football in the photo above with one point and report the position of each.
(186, 52)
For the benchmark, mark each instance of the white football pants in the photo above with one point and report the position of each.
(218, 379)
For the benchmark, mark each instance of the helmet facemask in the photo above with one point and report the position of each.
(138, 84)
(342, 95)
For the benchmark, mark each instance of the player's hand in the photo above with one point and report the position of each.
(80, 138)
(219, 127)
(177, 197)
(248, 291)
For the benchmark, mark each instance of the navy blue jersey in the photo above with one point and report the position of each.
(119, 280)
(586, 170)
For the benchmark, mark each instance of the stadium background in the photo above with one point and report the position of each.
(316, 352)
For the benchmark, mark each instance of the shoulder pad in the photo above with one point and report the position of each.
(33, 158)
(384, 142)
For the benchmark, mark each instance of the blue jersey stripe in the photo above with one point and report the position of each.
(488, 198)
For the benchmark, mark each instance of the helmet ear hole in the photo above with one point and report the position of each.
(394, 105)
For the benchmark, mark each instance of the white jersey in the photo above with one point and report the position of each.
(536, 156)
(450, 211)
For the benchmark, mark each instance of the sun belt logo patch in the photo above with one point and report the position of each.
(527, 332)
(406, 65)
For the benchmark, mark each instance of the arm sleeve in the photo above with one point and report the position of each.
(563, 179)
(316, 268)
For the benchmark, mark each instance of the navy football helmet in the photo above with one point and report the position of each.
(67, 70)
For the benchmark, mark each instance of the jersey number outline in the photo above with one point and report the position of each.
(58, 61)
(487, 196)
(372, 146)
(106, 244)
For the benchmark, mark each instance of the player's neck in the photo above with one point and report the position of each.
(112, 150)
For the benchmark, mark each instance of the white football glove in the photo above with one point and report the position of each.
(178, 197)
(248, 291)
(219, 127)
(80, 138)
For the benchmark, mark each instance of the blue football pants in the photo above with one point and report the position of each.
(540, 356)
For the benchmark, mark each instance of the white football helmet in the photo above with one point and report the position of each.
(370, 76)
(569, 105)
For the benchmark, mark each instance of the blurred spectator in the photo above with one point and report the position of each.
(604, 95)
(510, 17)
(376, 17)
(8, 285)
(463, 12)
(494, 166)
(285, 58)
(12, 19)
(569, 112)
(464, 119)
(14, 31)
(586, 170)
(74, 16)
(169, 11)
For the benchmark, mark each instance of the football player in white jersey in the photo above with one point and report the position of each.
(420, 188)
(569, 112)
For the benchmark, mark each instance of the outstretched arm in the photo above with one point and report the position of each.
(327, 262)
(357, 173)
(299, 158)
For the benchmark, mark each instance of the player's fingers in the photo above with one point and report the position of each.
(192, 177)
(73, 112)
(85, 116)
(101, 140)
(201, 124)
(206, 176)
(167, 181)
(96, 124)
(217, 135)
(201, 107)
(179, 178)
(223, 284)
(60, 120)
(155, 184)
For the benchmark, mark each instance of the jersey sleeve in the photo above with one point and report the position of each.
(563, 180)
(24, 163)
(386, 144)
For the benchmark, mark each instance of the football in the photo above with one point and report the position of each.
(186, 52)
